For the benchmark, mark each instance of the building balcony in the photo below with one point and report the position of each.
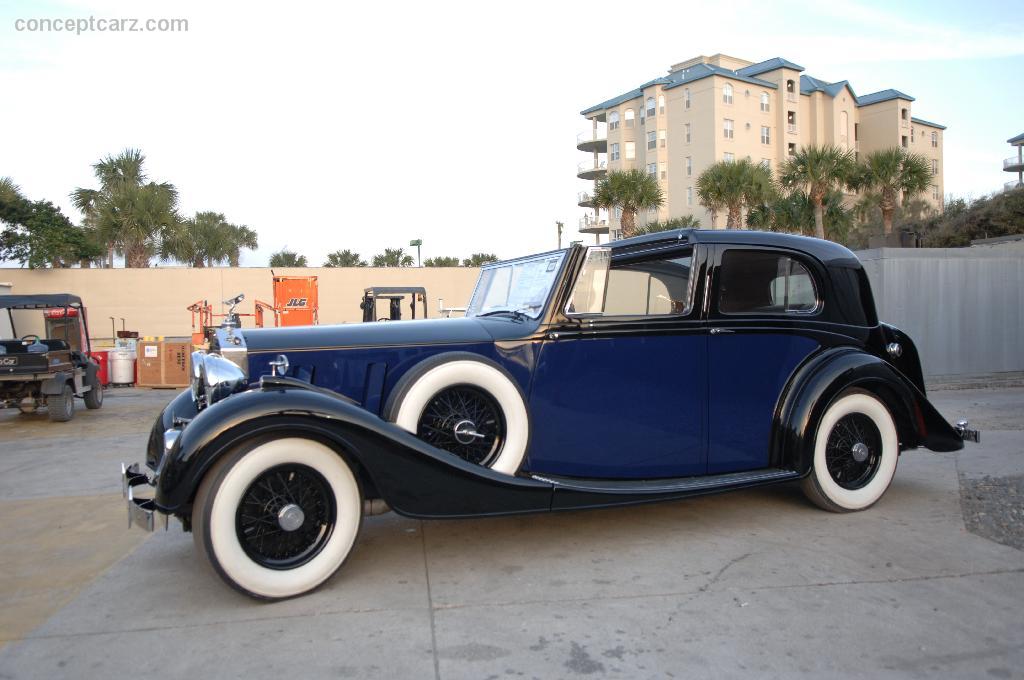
(588, 225)
(1013, 164)
(593, 170)
(1010, 186)
(591, 141)
(791, 97)
(584, 200)
(791, 128)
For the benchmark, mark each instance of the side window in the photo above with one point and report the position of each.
(654, 287)
(762, 282)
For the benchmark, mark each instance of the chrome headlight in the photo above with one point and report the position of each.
(214, 377)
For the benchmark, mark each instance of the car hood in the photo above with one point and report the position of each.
(383, 333)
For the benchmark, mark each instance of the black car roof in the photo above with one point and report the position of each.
(828, 252)
(42, 301)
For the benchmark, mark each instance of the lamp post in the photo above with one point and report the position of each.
(417, 242)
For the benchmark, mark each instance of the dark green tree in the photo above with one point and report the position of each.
(287, 258)
(344, 258)
(479, 259)
(441, 261)
(393, 257)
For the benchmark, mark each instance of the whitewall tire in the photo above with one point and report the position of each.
(856, 449)
(466, 405)
(276, 519)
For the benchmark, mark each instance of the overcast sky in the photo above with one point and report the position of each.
(364, 125)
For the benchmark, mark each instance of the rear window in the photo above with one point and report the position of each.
(764, 282)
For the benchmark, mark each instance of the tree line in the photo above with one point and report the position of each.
(806, 196)
(126, 215)
(391, 257)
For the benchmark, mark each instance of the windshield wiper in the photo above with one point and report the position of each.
(514, 313)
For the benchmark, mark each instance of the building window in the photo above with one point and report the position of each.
(903, 141)
(903, 114)
(789, 86)
(652, 140)
(652, 169)
(615, 151)
(650, 107)
(661, 103)
(689, 195)
(935, 140)
(911, 134)
(766, 134)
(687, 131)
(629, 115)
(689, 166)
(766, 163)
(856, 131)
(765, 103)
(790, 91)
(728, 157)
(935, 166)
(791, 149)
(727, 94)
(791, 121)
(630, 150)
(727, 128)
(618, 212)
(662, 170)
(686, 98)
(662, 138)
(613, 120)
(935, 191)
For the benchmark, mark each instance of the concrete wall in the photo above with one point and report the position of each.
(153, 301)
(964, 307)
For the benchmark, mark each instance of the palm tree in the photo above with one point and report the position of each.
(794, 213)
(127, 213)
(733, 185)
(631, 191)
(888, 174)
(441, 261)
(206, 240)
(817, 170)
(393, 257)
(479, 259)
(684, 222)
(287, 258)
(344, 258)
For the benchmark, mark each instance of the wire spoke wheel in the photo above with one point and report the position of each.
(853, 451)
(286, 516)
(466, 421)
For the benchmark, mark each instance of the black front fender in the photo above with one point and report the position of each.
(415, 479)
(818, 382)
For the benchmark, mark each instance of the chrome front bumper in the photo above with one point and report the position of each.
(142, 512)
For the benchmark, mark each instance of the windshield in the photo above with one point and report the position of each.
(520, 286)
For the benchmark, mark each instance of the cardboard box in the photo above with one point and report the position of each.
(163, 363)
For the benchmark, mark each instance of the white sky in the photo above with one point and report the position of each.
(365, 125)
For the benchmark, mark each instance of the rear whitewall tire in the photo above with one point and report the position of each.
(821, 488)
(221, 492)
(411, 397)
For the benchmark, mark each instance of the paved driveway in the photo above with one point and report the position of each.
(749, 583)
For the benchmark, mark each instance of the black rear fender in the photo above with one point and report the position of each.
(414, 478)
(820, 381)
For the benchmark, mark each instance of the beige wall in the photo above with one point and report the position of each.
(153, 301)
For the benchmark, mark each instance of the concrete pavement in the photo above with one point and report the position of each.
(748, 583)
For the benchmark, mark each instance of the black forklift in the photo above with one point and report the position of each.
(51, 370)
(393, 296)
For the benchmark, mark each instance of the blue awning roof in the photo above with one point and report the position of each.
(1019, 139)
(882, 96)
(768, 65)
(922, 121)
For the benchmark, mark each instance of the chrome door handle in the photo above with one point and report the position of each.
(720, 331)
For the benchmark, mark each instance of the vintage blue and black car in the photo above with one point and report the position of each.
(655, 368)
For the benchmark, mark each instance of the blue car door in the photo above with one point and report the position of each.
(764, 304)
(621, 394)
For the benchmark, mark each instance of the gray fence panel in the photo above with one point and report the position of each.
(963, 307)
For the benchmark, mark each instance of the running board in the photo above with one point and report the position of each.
(576, 492)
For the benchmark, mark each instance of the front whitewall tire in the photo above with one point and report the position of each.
(222, 491)
(483, 376)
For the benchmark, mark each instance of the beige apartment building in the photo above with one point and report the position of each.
(716, 108)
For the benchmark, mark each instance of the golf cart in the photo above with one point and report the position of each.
(394, 297)
(50, 370)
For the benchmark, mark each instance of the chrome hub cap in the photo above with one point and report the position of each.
(860, 452)
(291, 517)
(465, 432)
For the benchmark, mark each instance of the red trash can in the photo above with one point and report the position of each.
(103, 359)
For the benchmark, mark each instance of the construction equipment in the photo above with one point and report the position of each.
(296, 302)
(394, 296)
